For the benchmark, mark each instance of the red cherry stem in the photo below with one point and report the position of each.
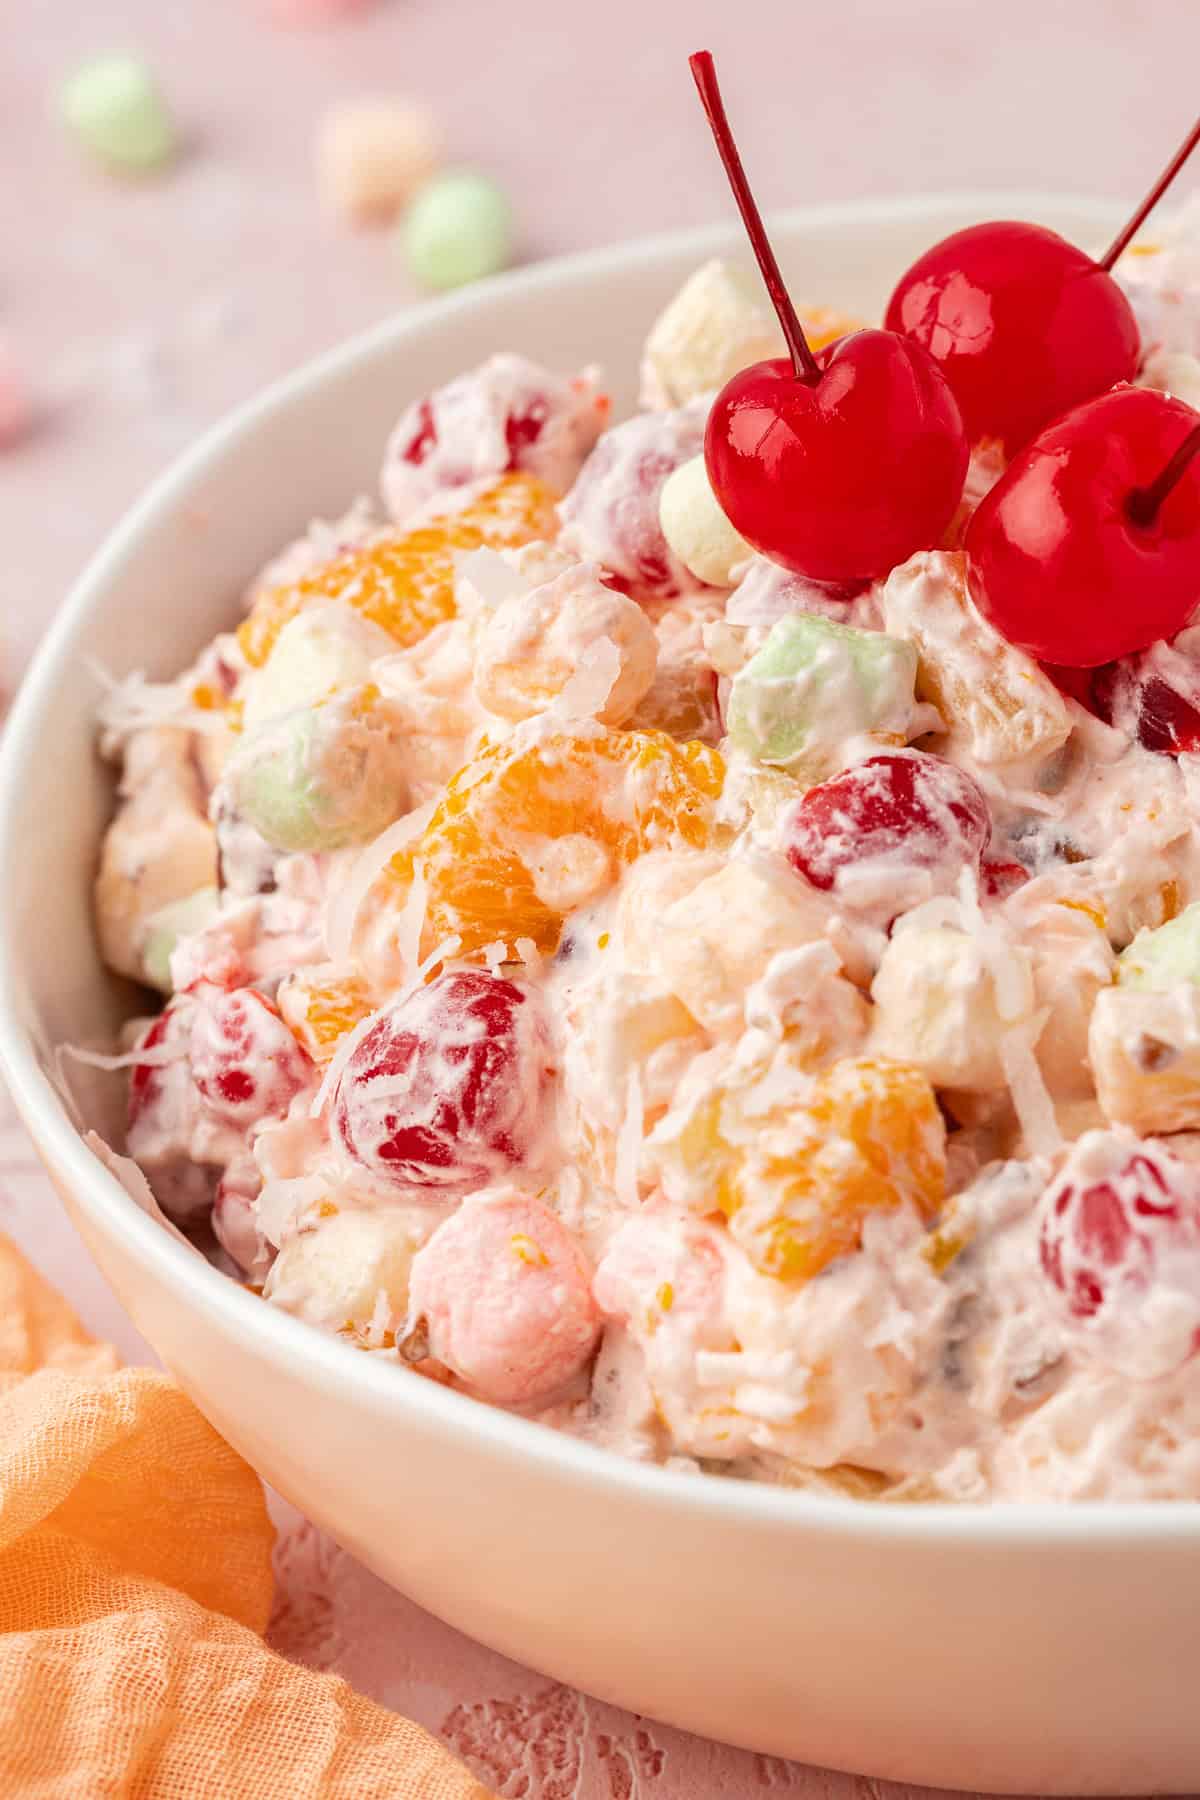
(1152, 199)
(804, 362)
(1144, 502)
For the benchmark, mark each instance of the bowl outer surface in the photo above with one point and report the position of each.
(1035, 1649)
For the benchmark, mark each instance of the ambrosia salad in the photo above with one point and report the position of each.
(746, 1018)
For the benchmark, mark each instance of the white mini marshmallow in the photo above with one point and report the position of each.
(696, 528)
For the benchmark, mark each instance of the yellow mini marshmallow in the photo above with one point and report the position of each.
(696, 529)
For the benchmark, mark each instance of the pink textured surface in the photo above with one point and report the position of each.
(143, 312)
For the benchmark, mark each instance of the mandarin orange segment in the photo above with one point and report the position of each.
(320, 1007)
(869, 1138)
(404, 580)
(523, 835)
(824, 323)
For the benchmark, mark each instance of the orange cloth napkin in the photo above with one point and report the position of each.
(135, 1578)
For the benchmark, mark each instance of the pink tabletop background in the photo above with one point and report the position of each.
(142, 313)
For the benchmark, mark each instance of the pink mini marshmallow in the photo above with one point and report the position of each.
(505, 1299)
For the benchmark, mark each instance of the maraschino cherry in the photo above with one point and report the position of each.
(838, 466)
(1088, 547)
(1023, 324)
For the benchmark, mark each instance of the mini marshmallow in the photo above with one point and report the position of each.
(318, 653)
(322, 777)
(458, 228)
(372, 156)
(697, 530)
(1165, 958)
(938, 1005)
(815, 684)
(115, 111)
(179, 918)
(504, 1298)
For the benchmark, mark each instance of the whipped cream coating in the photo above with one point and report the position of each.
(724, 1019)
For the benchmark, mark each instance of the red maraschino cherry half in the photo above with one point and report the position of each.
(1023, 324)
(1088, 547)
(838, 466)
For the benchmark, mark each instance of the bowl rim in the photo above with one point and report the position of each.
(318, 1356)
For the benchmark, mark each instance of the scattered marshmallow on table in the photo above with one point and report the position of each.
(117, 114)
(372, 155)
(458, 228)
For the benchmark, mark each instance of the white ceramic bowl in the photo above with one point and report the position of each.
(1049, 1650)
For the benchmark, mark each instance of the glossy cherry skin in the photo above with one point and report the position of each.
(1055, 559)
(842, 479)
(1022, 324)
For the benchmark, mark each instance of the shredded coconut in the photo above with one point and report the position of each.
(132, 703)
(493, 580)
(158, 1056)
(584, 694)
(347, 901)
(346, 1046)
(1030, 1097)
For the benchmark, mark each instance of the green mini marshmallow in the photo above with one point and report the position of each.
(114, 108)
(457, 229)
(167, 926)
(320, 778)
(812, 685)
(1166, 958)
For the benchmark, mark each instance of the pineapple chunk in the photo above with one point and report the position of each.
(996, 701)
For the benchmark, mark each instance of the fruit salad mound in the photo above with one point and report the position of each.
(748, 1022)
